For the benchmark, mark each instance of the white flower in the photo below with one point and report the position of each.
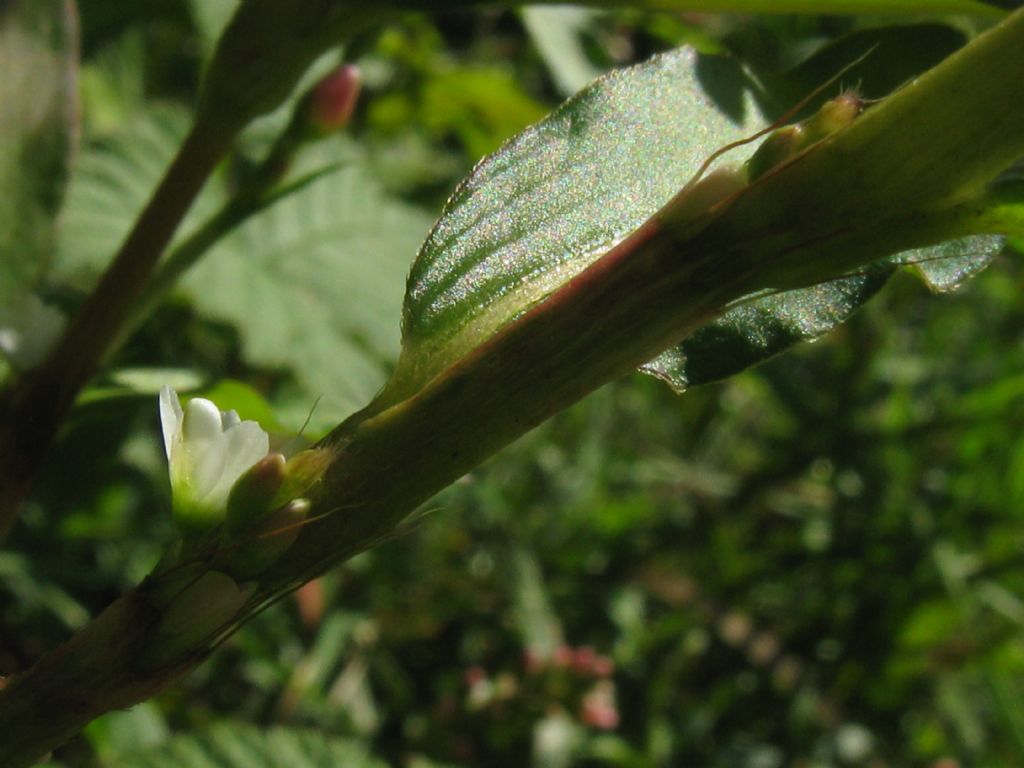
(207, 451)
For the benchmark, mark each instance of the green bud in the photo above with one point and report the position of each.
(253, 494)
(788, 141)
(779, 146)
(696, 200)
(270, 485)
(302, 472)
(833, 116)
(264, 542)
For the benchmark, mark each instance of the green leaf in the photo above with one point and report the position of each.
(38, 132)
(111, 182)
(313, 284)
(236, 745)
(557, 34)
(761, 328)
(212, 16)
(945, 267)
(552, 201)
(141, 727)
(38, 62)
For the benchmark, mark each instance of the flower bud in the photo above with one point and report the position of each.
(252, 496)
(788, 141)
(269, 485)
(265, 541)
(330, 103)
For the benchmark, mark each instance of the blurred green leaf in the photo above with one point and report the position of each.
(553, 200)
(538, 623)
(479, 105)
(557, 34)
(313, 284)
(112, 180)
(139, 728)
(233, 745)
(38, 114)
(36, 593)
(38, 133)
(212, 16)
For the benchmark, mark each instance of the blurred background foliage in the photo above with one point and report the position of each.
(819, 562)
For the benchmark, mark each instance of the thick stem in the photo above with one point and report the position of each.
(87, 676)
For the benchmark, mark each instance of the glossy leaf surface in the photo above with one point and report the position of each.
(556, 198)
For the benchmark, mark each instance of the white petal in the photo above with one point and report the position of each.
(201, 422)
(229, 419)
(208, 458)
(170, 418)
(244, 444)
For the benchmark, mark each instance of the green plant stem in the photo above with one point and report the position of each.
(77, 682)
(861, 195)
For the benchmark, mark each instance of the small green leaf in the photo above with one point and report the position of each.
(761, 328)
(945, 267)
(552, 201)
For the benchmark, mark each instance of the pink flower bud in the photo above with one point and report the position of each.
(331, 102)
(598, 709)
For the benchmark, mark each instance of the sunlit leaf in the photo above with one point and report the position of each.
(945, 267)
(556, 198)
